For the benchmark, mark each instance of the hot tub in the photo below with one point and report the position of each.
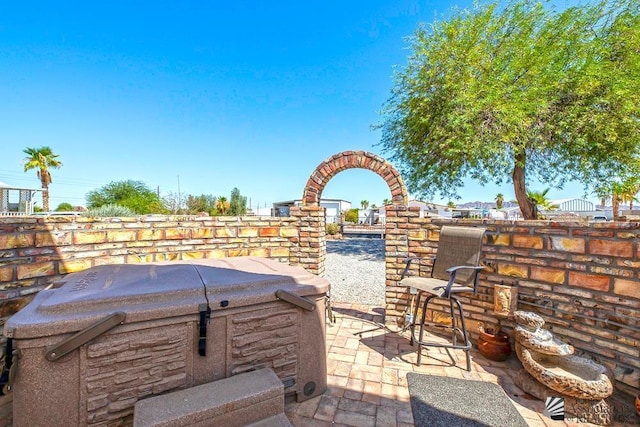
(111, 335)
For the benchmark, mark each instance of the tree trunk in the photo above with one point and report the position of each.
(615, 202)
(45, 179)
(527, 206)
(45, 200)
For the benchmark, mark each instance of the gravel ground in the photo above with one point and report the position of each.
(355, 269)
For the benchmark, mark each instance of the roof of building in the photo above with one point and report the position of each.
(11, 187)
(573, 204)
(291, 202)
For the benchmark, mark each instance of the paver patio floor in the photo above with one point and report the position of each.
(367, 368)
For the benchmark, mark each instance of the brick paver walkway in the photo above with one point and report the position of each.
(367, 367)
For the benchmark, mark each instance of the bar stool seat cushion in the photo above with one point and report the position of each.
(432, 285)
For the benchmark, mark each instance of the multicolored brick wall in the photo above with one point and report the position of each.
(337, 163)
(37, 251)
(584, 279)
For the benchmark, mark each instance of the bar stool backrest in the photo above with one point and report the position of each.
(458, 246)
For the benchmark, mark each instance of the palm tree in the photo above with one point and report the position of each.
(540, 200)
(619, 192)
(631, 188)
(222, 205)
(364, 204)
(386, 202)
(42, 159)
(499, 200)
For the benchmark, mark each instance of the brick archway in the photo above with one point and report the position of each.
(352, 160)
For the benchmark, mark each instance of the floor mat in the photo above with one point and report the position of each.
(443, 401)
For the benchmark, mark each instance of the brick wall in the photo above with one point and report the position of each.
(37, 251)
(337, 163)
(310, 251)
(583, 279)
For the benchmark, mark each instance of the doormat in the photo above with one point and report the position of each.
(438, 401)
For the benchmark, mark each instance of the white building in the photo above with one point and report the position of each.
(578, 207)
(15, 201)
(333, 208)
(573, 205)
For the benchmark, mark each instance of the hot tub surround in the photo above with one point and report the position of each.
(176, 325)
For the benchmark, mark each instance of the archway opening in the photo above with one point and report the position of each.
(355, 259)
(328, 169)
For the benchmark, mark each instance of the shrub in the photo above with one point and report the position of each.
(133, 194)
(109, 210)
(332, 229)
(64, 207)
(351, 216)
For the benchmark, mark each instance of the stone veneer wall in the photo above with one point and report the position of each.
(583, 279)
(37, 251)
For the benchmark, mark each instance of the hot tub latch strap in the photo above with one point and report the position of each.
(296, 300)
(205, 315)
(89, 333)
(9, 369)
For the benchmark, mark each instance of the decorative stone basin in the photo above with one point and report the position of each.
(571, 375)
(552, 363)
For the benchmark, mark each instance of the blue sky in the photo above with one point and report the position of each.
(201, 97)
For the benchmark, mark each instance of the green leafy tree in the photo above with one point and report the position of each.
(351, 216)
(65, 207)
(499, 200)
(364, 204)
(203, 203)
(130, 194)
(42, 159)
(237, 203)
(515, 93)
(386, 202)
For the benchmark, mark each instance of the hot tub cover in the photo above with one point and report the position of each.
(157, 290)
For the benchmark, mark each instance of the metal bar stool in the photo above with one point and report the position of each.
(455, 270)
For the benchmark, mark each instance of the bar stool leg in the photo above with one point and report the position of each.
(412, 326)
(464, 334)
(421, 335)
(454, 326)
